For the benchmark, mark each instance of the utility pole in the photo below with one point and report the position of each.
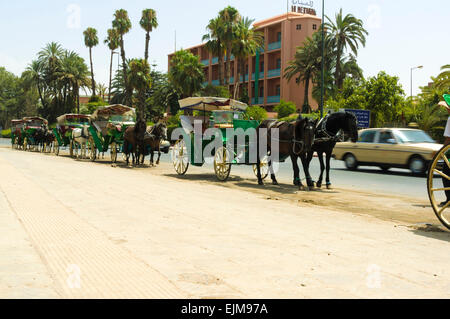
(322, 93)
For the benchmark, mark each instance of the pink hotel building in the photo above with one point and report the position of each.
(282, 35)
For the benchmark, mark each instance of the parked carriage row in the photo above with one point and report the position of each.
(104, 131)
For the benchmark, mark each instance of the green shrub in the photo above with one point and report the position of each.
(256, 112)
(6, 133)
(215, 91)
(285, 109)
(289, 118)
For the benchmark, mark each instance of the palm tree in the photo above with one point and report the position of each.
(122, 24)
(230, 17)
(148, 23)
(140, 80)
(306, 64)
(443, 79)
(246, 42)
(345, 32)
(91, 40)
(215, 45)
(186, 73)
(112, 40)
(33, 78)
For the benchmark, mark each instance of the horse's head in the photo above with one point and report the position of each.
(351, 126)
(160, 130)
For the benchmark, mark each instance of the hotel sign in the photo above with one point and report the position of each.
(303, 6)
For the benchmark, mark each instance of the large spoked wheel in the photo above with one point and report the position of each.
(113, 152)
(222, 164)
(56, 148)
(180, 157)
(92, 150)
(264, 164)
(437, 188)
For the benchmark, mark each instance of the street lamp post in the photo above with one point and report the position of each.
(322, 93)
(412, 69)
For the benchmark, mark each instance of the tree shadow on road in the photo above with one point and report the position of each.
(431, 231)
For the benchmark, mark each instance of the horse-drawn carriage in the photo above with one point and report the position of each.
(66, 124)
(16, 133)
(228, 117)
(107, 128)
(33, 132)
(438, 182)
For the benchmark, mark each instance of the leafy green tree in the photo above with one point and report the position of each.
(245, 43)
(161, 97)
(215, 91)
(122, 24)
(443, 79)
(186, 73)
(346, 32)
(91, 40)
(215, 44)
(285, 109)
(256, 113)
(140, 80)
(113, 42)
(148, 23)
(230, 17)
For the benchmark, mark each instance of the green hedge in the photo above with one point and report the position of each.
(6, 133)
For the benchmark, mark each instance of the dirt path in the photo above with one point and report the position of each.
(146, 233)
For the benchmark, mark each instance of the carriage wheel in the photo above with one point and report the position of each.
(92, 150)
(180, 157)
(114, 152)
(436, 193)
(264, 164)
(222, 164)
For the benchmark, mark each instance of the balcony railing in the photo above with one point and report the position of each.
(256, 101)
(205, 62)
(274, 46)
(231, 79)
(215, 82)
(273, 99)
(205, 83)
(273, 73)
(215, 60)
(242, 78)
(261, 76)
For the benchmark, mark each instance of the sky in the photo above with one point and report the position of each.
(402, 34)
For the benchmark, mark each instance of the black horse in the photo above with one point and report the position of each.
(133, 141)
(295, 140)
(152, 140)
(331, 129)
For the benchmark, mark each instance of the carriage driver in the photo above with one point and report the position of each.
(446, 170)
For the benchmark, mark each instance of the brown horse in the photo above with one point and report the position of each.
(133, 141)
(295, 139)
(152, 141)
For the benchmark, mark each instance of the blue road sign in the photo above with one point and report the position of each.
(363, 117)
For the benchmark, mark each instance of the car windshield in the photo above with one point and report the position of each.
(413, 136)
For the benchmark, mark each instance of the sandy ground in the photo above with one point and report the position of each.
(76, 229)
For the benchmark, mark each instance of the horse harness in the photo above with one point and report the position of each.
(294, 141)
(321, 129)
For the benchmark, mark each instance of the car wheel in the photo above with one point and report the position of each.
(417, 165)
(350, 162)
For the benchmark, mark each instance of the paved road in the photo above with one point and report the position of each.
(81, 229)
(396, 181)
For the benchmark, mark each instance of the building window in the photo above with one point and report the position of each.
(261, 67)
(279, 36)
(278, 90)
(314, 26)
(299, 26)
(278, 63)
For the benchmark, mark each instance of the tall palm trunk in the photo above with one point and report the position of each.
(338, 67)
(220, 55)
(110, 76)
(125, 76)
(306, 108)
(147, 40)
(92, 72)
(228, 64)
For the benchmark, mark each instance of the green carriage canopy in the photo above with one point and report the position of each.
(105, 112)
(63, 119)
(211, 104)
(447, 99)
